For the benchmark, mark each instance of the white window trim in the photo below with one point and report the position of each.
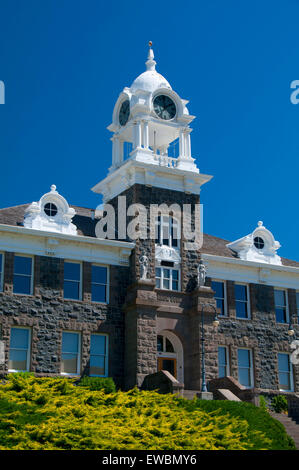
(226, 357)
(291, 373)
(2, 272)
(286, 305)
(107, 285)
(106, 354)
(28, 350)
(251, 366)
(171, 268)
(79, 353)
(22, 255)
(248, 301)
(225, 296)
(80, 281)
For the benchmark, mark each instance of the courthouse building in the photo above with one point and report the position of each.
(74, 303)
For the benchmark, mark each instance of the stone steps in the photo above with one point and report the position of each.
(291, 427)
(190, 394)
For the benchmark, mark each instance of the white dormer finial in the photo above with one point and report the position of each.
(150, 63)
(260, 223)
(53, 188)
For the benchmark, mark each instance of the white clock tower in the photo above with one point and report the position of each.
(151, 142)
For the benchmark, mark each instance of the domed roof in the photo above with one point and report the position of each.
(150, 80)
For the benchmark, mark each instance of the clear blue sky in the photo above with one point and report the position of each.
(64, 63)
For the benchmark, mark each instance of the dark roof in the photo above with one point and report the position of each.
(86, 226)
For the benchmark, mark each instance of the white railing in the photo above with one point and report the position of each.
(164, 160)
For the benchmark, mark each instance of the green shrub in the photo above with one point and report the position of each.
(98, 383)
(279, 403)
(263, 403)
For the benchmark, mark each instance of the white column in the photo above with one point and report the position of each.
(188, 145)
(182, 144)
(145, 134)
(120, 151)
(115, 151)
(137, 134)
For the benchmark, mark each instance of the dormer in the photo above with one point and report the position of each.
(259, 246)
(52, 213)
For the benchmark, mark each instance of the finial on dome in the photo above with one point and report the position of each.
(150, 63)
(260, 223)
(53, 188)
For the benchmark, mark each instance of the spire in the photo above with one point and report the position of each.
(150, 63)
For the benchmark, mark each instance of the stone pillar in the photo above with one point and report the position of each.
(140, 333)
(145, 134)
(182, 143)
(137, 135)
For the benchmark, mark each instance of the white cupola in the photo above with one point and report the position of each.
(52, 213)
(259, 246)
(150, 116)
(151, 141)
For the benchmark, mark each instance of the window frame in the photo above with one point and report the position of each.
(227, 364)
(72, 280)
(21, 255)
(251, 368)
(28, 358)
(106, 302)
(225, 314)
(78, 371)
(171, 268)
(242, 301)
(290, 372)
(286, 306)
(106, 355)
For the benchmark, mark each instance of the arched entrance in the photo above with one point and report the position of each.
(170, 354)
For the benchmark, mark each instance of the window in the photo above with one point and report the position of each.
(285, 372)
(19, 350)
(245, 369)
(98, 355)
(164, 345)
(219, 288)
(72, 280)
(50, 209)
(99, 287)
(22, 279)
(1, 270)
(167, 278)
(167, 231)
(70, 358)
(281, 311)
(223, 369)
(242, 304)
(259, 243)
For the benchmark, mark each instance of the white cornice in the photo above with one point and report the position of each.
(235, 269)
(42, 243)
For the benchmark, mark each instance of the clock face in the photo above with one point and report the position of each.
(124, 113)
(164, 107)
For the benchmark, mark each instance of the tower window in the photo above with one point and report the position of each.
(50, 209)
(167, 231)
(259, 243)
(167, 278)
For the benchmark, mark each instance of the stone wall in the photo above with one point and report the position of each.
(47, 313)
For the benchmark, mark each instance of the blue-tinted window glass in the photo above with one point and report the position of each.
(22, 275)
(222, 361)
(98, 283)
(99, 274)
(218, 287)
(240, 292)
(280, 306)
(70, 342)
(98, 353)
(19, 338)
(18, 349)
(244, 367)
(72, 277)
(284, 371)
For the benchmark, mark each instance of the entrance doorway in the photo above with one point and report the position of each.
(170, 354)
